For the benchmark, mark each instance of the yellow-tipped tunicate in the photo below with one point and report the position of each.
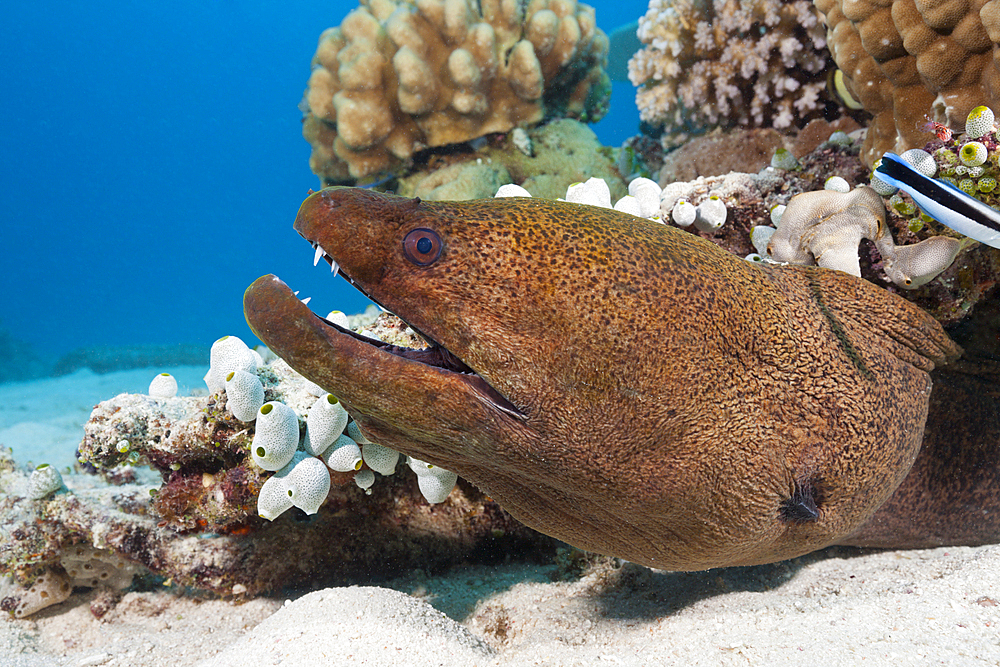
(380, 459)
(760, 236)
(274, 498)
(837, 184)
(684, 213)
(979, 122)
(973, 154)
(228, 354)
(339, 318)
(343, 455)
(44, 481)
(163, 385)
(776, 212)
(308, 483)
(244, 395)
(435, 483)
(326, 421)
(277, 436)
(783, 159)
(647, 192)
(711, 214)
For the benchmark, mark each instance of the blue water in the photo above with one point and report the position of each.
(153, 164)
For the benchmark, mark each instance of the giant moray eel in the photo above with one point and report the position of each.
(624, 386)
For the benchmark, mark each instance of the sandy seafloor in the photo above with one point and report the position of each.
(837, 607)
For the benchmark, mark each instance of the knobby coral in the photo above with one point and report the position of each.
(711, 63)
(909, 60)
(398, 76)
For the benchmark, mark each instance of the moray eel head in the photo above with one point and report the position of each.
(624, 386)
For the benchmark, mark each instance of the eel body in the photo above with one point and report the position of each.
(624, 386)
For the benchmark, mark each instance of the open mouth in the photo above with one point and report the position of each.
(435, 354)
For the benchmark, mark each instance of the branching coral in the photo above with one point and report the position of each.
(729, 62)
(399, 76)
(906, 60)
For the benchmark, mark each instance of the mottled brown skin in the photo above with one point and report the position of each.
(952, 493)
(672, 401)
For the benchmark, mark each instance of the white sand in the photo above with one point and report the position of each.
(930, 607)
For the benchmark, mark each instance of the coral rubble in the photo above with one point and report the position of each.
(400, 76)
(908, 61)
(723, 63)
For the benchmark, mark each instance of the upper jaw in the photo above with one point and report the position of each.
(434, 355)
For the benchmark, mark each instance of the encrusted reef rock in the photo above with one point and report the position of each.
(906, 61)
(398, 77)
(724, 63)
(193, 519)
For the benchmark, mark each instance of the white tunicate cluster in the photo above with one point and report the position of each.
(647, 192)
(783, 159)
(164, 385)
(380, 459)
(628, 204)
(837, 184)
(354, 431)
(920, 160)
(89, 566)
(303, 482)
(435, 483)
(840, 138)
(594, 192)
(326, 421)
(339, 318)
(364, 479)
(276, 436)
(776, 212)
(44, 481)
(511, 190)
(244, 395)
(643, 199)
(711, 214)
(343, 455)
(684, 213)
(228, 354)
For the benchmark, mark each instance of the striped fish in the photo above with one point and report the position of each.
(943, 201)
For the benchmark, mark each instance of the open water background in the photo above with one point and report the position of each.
(153, 163)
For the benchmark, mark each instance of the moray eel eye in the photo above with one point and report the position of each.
(422, 247)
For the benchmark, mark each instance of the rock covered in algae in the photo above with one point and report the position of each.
(400, 76)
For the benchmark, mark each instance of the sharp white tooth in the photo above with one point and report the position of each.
(334, 267)
(316, 257)
(306, 300)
